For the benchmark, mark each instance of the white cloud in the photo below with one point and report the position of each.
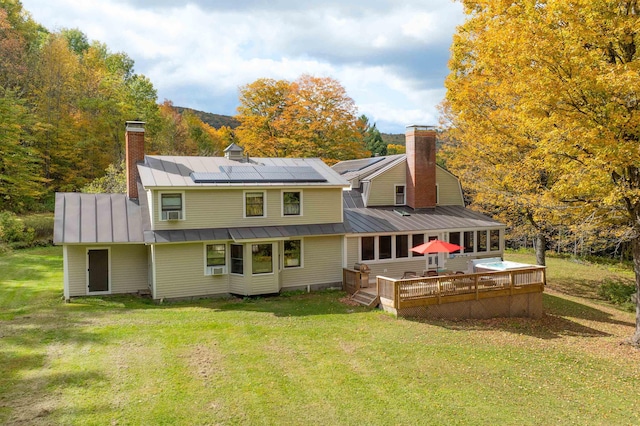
(390, 57)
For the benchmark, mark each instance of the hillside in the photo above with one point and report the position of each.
(213, 120)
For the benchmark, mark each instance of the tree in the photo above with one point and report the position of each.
(372, 137)
(114, 181)
(20, 182)
(555, 84)
(393, 149)
(310, 117)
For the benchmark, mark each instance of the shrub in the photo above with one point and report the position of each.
(618, 293)
(42, 224)
(13, 231)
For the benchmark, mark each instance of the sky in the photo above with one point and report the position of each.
(390, 56)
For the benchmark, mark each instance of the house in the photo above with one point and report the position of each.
(397, 202)
(205, 226)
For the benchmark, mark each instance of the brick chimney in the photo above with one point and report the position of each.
(134, 142)
(421, 166)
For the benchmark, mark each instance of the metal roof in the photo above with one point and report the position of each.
(173, 171)
(403, 219)
(361, 168)
(246, 233)
(97, 218)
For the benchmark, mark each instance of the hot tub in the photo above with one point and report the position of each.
(500, 265)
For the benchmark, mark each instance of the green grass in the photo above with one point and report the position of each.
(300, 359)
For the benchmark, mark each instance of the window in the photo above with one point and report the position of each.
(292, 254)
(468, 241)
(494, 239)
(402, 246)
(237, 259)
(254, 204)
(216, 255)
(291, 203)
(482, 240)
(454, 238)
(262, 258)
(171, 206)
(400, 195)
(367, 251)
(384, 247)
(416, 240)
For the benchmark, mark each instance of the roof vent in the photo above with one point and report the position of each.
(402, 212)
(234, 152)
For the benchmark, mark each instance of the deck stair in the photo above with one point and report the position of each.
(367, 299)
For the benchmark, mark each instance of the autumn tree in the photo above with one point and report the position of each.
(555, 85)
(309, 117)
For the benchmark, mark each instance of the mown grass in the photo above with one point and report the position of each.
(300, 359)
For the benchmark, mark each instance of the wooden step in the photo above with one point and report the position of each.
(365, 299)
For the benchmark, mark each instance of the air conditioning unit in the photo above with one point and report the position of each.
(174, 215)
(216, 270)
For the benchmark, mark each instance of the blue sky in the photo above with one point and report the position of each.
(391, 56)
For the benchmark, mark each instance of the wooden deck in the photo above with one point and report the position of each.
(401, 294)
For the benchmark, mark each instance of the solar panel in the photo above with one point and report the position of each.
(258, 174)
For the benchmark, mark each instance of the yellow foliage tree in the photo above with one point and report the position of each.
(544, 99)
(310, 117)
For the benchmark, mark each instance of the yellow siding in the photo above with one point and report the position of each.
(129, 268)
(449, 192)
(219, 208)
(180, 272)
(322, 263)
(396, 268)
(352, 251)
(382, 191)
(77, 273)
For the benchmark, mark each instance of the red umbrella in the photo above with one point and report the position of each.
(436, 246)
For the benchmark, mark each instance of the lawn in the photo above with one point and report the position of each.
(302, 359)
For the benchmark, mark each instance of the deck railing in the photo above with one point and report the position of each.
(419, 291)
(352, 280)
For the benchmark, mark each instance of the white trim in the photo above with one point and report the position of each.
(244, 203)
(299, 190)
(94, 293)
(65, 269)
(244, 263)
(437, 194)
(183, 211)
(301, 265)
(154, 289)
(395, 193)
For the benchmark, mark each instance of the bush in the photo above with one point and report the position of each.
(618, 293)
(13, 231)
(42, 224)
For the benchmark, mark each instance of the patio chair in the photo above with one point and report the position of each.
(429, 273)
(409, 274)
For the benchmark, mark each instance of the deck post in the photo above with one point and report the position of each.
(511, 283)
(396, 295)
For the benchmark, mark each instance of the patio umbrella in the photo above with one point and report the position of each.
(436, 246)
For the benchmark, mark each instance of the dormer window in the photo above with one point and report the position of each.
(400, 193)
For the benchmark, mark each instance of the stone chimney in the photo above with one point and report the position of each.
(134, 143)
(421, 166)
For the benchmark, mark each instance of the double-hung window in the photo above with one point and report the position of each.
(254, 204)
(292, 203)
(171, 206)
(400, 199)
(216, 255)
(237, 259)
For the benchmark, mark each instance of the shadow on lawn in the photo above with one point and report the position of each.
(553, 324)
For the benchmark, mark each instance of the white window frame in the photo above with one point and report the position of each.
(437, 194)
(273, 266)
(183, 214)
(282, 202)
(395, 189)
(243, 259)
(413, 254)
(244, 204)
(208, 270)
(301, 254)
